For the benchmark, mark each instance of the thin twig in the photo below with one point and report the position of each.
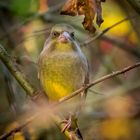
(56, 120)
(6, 60)
(119, 42)
(123, 45)
(95, 92)
(135, 4)
(29, 19)
(16, 129)
(105, 31)
(29, 90)
(102, 79)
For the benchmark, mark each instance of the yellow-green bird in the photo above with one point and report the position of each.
(63, 68)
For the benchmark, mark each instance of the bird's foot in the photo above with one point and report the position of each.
(67, 125)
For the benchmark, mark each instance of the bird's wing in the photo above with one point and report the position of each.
(40, 60)
(84, 92)
(86, 79)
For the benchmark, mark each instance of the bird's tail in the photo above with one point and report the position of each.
(74, 127)
(78, 133)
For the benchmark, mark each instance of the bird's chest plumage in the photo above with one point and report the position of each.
(61, 73)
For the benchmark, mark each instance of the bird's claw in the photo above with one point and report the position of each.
(67, 124)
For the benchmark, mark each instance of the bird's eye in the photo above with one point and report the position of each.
(72, 34)
(55, 34)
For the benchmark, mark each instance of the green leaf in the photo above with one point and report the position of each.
(24, 7)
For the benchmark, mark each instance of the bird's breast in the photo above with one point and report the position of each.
(61, 74)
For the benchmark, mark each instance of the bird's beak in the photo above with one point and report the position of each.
(64, 37)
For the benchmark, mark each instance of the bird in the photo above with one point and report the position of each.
(63, 69)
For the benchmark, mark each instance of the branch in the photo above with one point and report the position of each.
(30, 90)
(120, 43)
(123, 45)
(69, 134)
(135, 4)
(16, 129)
(102, 79)
(57, 121)
(5, 58)
(33, 17)
(99, 35)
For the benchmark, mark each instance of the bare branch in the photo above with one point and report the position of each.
(105, 31)
(119, 42)
(123, 45)
(5, 58)
(57, 121)
(33, 17)
(30, 90)
(16, 129)
(102, 79)
(135, 4)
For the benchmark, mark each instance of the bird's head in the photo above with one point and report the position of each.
(61, 37)
(62, 33)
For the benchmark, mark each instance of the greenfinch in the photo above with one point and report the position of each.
(63, 68)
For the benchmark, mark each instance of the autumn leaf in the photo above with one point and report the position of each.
(99, 19)
(43, 6)
(70, 8)
(88, 8)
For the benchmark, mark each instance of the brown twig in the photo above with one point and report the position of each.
(105, 31)
(56, 120)
(29, 19)
(123, 45)
(119, 42)
(135, 4)
(29, 90)
(6, 59)
(16, 129)
(102, 79)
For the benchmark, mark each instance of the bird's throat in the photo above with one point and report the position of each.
(64, 46)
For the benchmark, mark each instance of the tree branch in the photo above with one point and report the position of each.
(5, 58)
(16, 129)
(99, 35)
(123, 45)
(56, 120)
(102, 79)
(33, 17)
(120, 43)
(135, 4)
(30, 90)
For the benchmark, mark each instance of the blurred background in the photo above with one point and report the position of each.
(112, 110)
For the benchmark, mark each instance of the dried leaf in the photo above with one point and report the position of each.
(70, 8)
(99, 19)
(88, 8)
(89, 12)
(43, 6)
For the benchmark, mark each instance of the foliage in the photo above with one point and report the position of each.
(24, 7)
(88, 8)
(112, 109)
